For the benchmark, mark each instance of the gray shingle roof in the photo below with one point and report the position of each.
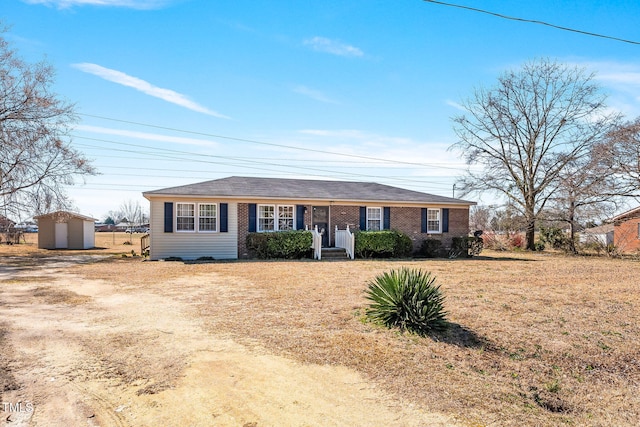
(278, 188)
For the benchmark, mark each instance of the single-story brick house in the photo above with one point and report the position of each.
(626, 233)
(213, 218)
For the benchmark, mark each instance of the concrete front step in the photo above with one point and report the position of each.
(334, 253)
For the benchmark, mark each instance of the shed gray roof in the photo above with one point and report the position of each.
(278, 188)
(61, 215)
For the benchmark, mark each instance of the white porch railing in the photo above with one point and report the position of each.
(346, 240)
(317, 243)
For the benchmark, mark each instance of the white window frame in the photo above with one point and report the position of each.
(180, 214)
(438, 219)
(277, 217)
(370, 210)
(282, 217)
(215, 217)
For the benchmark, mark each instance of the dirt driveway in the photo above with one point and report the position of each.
(77, 350)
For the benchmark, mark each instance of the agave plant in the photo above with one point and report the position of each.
(408, 299)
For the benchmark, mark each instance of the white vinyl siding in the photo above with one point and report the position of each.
(185, 217)
(190, 246)
(276, 217)
(374, 219)
(434, 221)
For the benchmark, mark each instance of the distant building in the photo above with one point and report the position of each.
(65, 230)
(603, 234)
(627, 231)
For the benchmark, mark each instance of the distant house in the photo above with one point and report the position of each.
(626, 235)
(65, 230)
(602, 234)
(6, 224)
(8, 232)
(213, 218)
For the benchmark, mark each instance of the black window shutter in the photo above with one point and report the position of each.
(299, 217)
(445, 220)
(168, 217)
(252, 217)
(363, 218)
(224, 218)
(386, 223)
(424, 220)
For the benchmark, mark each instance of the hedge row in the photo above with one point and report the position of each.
(282, 244)
(368, 244)
(382, 244)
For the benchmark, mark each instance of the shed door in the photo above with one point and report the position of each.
(62, 241)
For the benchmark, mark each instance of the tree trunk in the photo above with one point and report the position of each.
(571, 245)
(531, 234)
(530, 217)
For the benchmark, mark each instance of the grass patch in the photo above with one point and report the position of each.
(8, 381)
(508, 359)
(51, 295)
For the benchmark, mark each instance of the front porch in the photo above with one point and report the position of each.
(344, 245)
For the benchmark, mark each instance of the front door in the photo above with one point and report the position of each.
(320, 218)
(61, 235)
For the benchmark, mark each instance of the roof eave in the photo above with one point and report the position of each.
(148, 196)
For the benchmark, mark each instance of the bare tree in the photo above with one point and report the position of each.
(588, 189)
(526, 130)
(479, 217)
(133, 212)
(36, 160)
(623, 153)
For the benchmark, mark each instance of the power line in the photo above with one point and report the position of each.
(249, 166)
(533, 21)
(253, 141)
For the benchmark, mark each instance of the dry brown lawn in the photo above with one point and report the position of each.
(535, 339)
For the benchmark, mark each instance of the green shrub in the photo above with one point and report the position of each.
(382, 244)
(407, 299)
(554, 237)
(430, 248)
(280, 244)
(467, 246)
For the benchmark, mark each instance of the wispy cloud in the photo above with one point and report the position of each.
(146, 87)
(334, 47)
(622, 82)
(313, 94)
(455, 105)
(131, 4)
(350, 135)
(397, 152)
(145, 136)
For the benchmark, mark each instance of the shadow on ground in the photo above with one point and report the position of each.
(460, 336)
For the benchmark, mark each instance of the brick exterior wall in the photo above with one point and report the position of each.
(243, 230)
(404, 219)
(625, 235)
(343, 216)
(409, 221)
(243, 227)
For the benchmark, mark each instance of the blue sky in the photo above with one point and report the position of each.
(172, 92)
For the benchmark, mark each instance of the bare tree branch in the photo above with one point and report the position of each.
(527, 130)
(36, 159)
